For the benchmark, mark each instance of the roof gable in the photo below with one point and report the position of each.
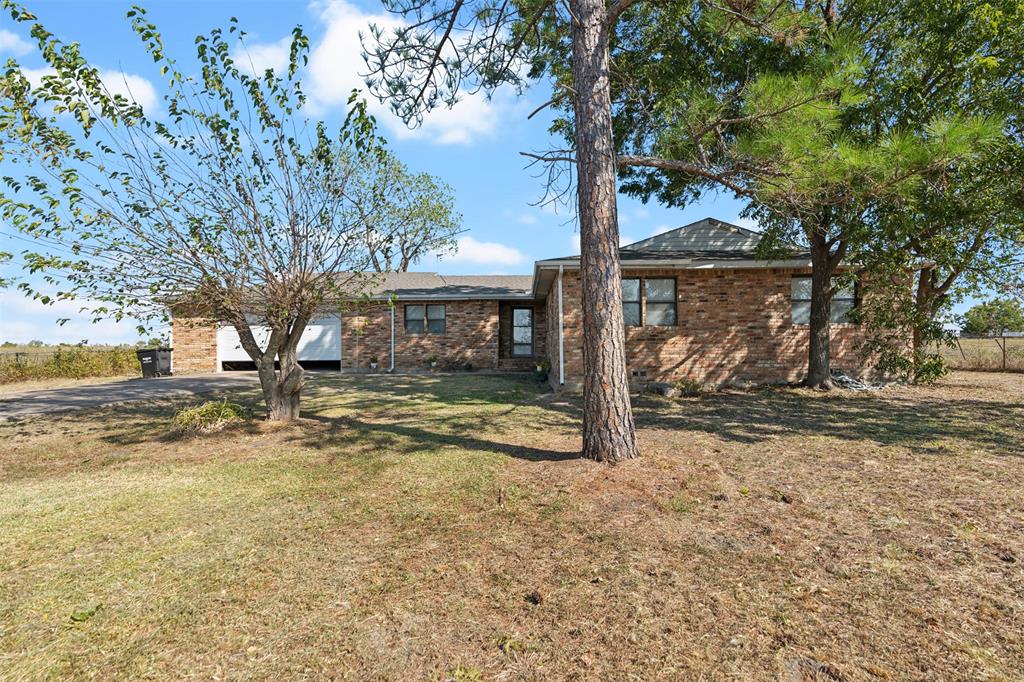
(707, 235)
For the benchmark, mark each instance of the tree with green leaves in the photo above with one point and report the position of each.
(797, 144)
(993, 318)
(963, 228)
(448, 47)
(229, 205)
(405, 215)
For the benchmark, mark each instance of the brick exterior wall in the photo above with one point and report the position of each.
(734, 327)
(195, 345)
(540, 335)
(471, 337)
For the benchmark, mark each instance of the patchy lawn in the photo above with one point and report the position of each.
(417, 528)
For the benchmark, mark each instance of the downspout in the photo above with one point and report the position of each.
(561, 333)
(392, 368)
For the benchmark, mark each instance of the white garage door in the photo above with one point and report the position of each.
(320, 341)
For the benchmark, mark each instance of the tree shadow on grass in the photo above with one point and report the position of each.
(341, 433)
(410, 414)
(916, 422)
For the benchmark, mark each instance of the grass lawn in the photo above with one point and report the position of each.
(425, 527)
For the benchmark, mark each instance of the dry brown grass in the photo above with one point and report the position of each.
(423, 528)
(985, 355)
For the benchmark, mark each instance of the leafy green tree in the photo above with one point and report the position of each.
(446, 47)
(993, 318)
(789, 133)
(405, 215)
(231, 205)
(963, 229)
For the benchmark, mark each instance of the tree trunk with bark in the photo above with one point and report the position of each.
(819, 374)
(608, 429)
(281, 386)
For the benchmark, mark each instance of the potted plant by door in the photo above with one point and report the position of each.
(541, 369)
(432, 361)
(374, 363)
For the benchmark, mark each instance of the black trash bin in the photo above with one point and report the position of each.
(155, 362)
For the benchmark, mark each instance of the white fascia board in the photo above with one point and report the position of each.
(691, 264)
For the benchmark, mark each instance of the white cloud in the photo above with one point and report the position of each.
(335, 65)
(660, 229)
(748, 223)
(256, 58)
(491, 253)
(526, 218)
(12, 43)
(133, 87)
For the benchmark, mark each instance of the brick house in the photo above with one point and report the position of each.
(697, 302)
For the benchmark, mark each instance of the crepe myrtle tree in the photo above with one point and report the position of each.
(447, 47)
(227, 204)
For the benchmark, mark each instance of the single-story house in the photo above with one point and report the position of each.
(697, 303)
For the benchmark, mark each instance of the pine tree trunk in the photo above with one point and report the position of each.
(608, 429)
(818, 349)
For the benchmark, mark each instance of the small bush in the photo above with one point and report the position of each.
(210, 416)
(689, 387)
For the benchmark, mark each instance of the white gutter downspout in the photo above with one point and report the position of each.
(392, 369)
(561, 333)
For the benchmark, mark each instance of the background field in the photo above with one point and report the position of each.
(33, 363)
(985, 354)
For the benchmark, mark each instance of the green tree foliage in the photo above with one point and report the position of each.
(446, 47)
(228, 204)
(793, 122)
(993, 318)
(405, 215)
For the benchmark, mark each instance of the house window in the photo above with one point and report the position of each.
(631, 302)
(425, 319)
(844, 299)
(522, 332)
(661, 302)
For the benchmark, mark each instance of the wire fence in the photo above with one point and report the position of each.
(1003, 352)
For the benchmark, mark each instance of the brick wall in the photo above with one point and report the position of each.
(471, 337)
(195, 345)
(540, 335)
(734, 327)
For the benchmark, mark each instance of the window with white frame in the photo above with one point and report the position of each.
(844, 300)
(425, 319)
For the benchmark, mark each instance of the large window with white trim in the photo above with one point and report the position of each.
(844, 300)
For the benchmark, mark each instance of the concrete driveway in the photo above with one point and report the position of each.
(49, 400)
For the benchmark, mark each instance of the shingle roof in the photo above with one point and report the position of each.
(707, 239)
(412, 285)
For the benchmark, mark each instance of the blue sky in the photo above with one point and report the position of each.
(474, 147)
